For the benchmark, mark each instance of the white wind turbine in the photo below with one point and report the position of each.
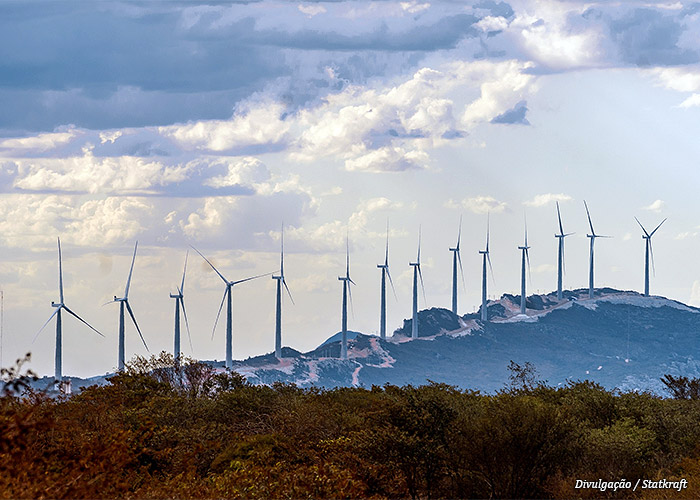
(60, 306)
(180, 304)
(229, 309)
(278, 311)
(416, 273)
(124, 304)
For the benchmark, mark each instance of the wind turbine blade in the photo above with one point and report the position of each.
(419, 237)
(110, 302)
(459, 234)
(221, 306)
(83, 321)
(284, 282)
(527, 257)
(128, 280)
(347, 255)
(386, 255)
(651, 253)
(184, 271)
(60, 271)
(44, 326)
(657, 227)
(131, 313)
(525, 232)
(391, 283)
(563, 259)
(488, 231)
(187, 323)
(640, 225)
(461, 269)
(251, 278)
(561, 227)
(212, 266)
(282, 252)
(488, 258)
(352, 308)
(589, 217)
(420, 274)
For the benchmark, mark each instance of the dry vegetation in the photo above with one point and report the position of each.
(157, 432)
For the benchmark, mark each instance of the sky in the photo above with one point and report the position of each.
(187, 123)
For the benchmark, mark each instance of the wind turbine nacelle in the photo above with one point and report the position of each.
(276, 277)
(173, 296)
(454, 249)
(53, 304)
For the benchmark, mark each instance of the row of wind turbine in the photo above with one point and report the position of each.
(124, 305)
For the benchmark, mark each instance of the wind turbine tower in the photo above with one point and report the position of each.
(560, 256)
(525, 256)
(278, 312)
(416, 273)
(229, 308)
(649, 252)
(60, 306)
(124, 303)
(382, 299)
(346, 292)
(592, 237)
(486, 257)
(180, 303)
(456, 258)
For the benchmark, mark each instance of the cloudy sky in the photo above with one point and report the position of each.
(210, 124)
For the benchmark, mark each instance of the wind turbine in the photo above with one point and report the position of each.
(525, 256)
(385, 273)
(486, 257)
(560, 256)
(456, 257)
(278, 315)
(180, 303)
(229, 313)
(124, 302)
(649, 252)
(346, 291)
(58, 364)
(592, 236)
(416, 273)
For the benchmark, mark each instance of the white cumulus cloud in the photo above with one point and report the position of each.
(254, 125)
(656, 206)
(479, 204)
(545, 199)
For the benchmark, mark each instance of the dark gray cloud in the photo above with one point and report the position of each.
(115, 64)
(497, 9)
(443, 34)
(648, 37)
(514, 116)
(128, 64)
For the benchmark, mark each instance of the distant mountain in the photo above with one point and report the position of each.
(618, 339)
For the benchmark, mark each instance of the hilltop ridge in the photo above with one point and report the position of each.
(620, 339)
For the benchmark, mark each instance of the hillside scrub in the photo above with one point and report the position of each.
(161, 430)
